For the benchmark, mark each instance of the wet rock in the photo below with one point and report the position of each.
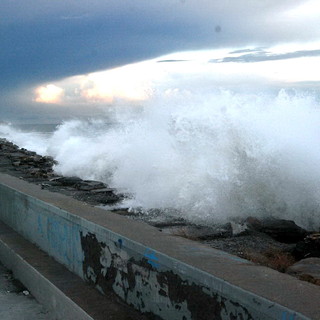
(16, 156)
(34, 171)
(50, 160)
(29, 153)
(38, 169)
(103, 197)
(309, 247)
(307, 269)
(203, 233)
(88, 185)
(23, 167)
(122, 211)
(158, 219)
(7, 146)
(253, 223)
(103, 190)
(285, 231)
(35, 159)
(68, 181)
(167, 223)
(23, 163)
(52, 182)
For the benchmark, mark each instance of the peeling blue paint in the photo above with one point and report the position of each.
(152, 259)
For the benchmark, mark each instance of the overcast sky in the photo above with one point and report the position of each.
(44, 40)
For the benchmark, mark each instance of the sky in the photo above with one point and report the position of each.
(77, 53)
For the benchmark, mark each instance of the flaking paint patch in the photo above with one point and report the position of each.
(200, 304)
(151, 288)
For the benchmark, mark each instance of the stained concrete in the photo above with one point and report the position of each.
(62, 292)
(154, 272)
(16, 303)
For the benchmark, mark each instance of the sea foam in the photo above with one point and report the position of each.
(208, 158)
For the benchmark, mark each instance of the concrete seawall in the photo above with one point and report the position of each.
(171, 277)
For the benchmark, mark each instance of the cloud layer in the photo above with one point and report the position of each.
(44, 40)
(195, 73)
(260, 55)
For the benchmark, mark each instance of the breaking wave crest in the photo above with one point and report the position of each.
(210, 158)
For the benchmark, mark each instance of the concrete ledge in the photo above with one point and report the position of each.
(41, 288)
(65, 294)
(171, 277)
(59, 290)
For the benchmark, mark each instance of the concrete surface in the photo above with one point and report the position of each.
(16, 303)
(59, 290)
(157, 273)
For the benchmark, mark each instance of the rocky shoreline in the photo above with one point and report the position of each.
(276, 243)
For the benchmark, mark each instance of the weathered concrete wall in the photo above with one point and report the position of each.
(170, 277)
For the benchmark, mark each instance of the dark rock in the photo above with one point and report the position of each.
(34, 159)
(88, 185)
(107, 198)
(306, 269)
(309, 247)
(168, 223)
(159, 218)
(69, 181)
(285, 231)
(249, 245)
(253, 223)
(50, 160)
(52, 182)
(34, 171)
(29, 153)
(122, 211)
(17, 156)
(104, 196)
(23, 167)
(202, 233)
(104, 190)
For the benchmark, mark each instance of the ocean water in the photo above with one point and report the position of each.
(207, 158)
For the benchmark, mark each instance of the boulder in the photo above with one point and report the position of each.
(308, 247)
(88, 185)
(197, 232)
(285, 231)
(69, 181)
(103, 197)
(16, 156)
(306, 269)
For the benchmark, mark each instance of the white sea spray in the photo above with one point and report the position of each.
(210, 158)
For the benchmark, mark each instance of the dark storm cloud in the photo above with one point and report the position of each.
(45, 40)
(53, 43)
(55, 50)
(260, 55)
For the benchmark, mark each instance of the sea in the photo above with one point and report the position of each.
(208, 159)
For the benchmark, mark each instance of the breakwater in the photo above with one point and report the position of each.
(157, 273)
